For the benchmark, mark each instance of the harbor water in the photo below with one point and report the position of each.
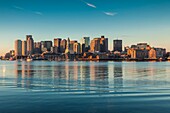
(84, 87)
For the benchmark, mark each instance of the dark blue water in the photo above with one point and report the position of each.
(84, 87)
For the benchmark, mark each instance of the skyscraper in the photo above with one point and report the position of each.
(24, 48)
(99, 44)
(76, 48)
(37, 47)
(103, 44)
(85, 44)
(117, 45)
(63, 45)
(95, 45)
(30, 45)
(68, 46)
(18, 48)
(72, 44)
(46, 46)
(57, 43)
(86, 41)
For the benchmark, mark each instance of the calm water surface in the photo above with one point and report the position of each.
(84, 87)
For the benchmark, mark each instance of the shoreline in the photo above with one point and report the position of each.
(102, 60)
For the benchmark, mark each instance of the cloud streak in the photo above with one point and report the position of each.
(94, 6)
(110, 13)
(38, 13)
(90, 5)
(17, 7)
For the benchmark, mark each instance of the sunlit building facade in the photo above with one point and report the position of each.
(18, 48)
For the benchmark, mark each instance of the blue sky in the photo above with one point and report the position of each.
(132, 21)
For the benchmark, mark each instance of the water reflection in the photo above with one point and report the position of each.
(84, 77)
(24, 74)
(81, 76)
(118, 77)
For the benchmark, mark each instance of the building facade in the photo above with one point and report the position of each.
(76, 48)
(63, 45)
(103, 44)
(117, 45)
(57, 43)
(30, 45)
(18, 48)
(24, 48)
(37, 48)
(46, 46)
(95, 45)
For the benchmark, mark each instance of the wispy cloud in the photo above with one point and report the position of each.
(110, 13)
(38, 13)
(91, 5)
(17, 7)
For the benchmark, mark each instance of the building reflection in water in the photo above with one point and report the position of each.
(99, 76)
(86, 77)
(24, 74)
(118, 77)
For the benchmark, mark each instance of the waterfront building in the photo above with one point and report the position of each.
(30, 45)
(157, 53)
(37, 47)
(18, 48)
(103, 44)
(95, 45)
(76, 48)
(86, 41)
(72, 42)
(46, 46)
(99, 45)
(57, 43)
(24, 48)
(68, 46)
(152, 54)
(63, 45)
(160, 52)
(85, 44)
(12, 53)
(117, 45)
(54, 50)
(126, 48)
(83, 48)
(138, 53)
(143, 46)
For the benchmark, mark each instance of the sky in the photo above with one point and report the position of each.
(133, 21)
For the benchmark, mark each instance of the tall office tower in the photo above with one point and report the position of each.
(68, 46)
(57, 43)
(85, 44)
(103, 44)
(63, 45)
(18, 48)
(24, 48)
(117, 45)
(86, 41)
(46, 46)
(72, 44)
(83, 49)
(37, 47)
(95, 45)
(76, 48)
(30, 45)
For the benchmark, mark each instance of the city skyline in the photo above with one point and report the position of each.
(139, 21)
